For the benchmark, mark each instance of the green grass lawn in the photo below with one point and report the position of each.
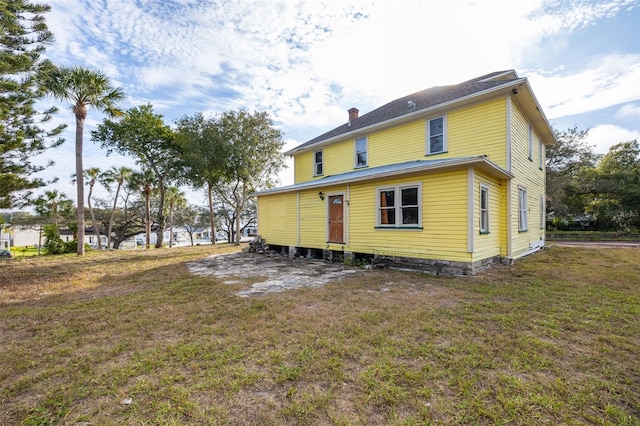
(551, 340)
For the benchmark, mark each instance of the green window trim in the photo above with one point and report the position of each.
(399, 228)
(435, 153)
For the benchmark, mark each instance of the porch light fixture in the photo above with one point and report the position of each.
(321, 195)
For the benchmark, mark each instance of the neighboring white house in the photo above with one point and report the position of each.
(18, 236)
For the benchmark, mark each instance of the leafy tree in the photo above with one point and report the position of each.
(565, 161)
(23, 38)
(174, 199)
(91, 175)
(202, 158)
(84, 88)
(54, 205)
(143, 135)
(613, 188)
(126, 221)
(227, 217)
(53, 244)
(191, 218)
(143, 181)
(252, 157)
(118, 175)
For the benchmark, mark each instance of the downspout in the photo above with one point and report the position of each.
(508, 189)
(470, 209)
(298, 218)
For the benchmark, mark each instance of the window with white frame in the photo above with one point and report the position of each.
(522, 209)
(484, 209)
(542, 212)
(530, 143)
(361, 152)
(541, 152)
(399, 206)
(436, 135)
(317, 163)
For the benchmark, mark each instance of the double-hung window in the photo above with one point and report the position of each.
(361, 152)
(399, 206)
(484, 209)
(541, 151)
(542, 212)
(530, 143)
(436, 135)
(522, 209)
(317, 163)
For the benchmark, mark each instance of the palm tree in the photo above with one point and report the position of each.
(118, 175)
(175, 198)
(53, 204)
(90, 176)
(83, 88)
(143, 182)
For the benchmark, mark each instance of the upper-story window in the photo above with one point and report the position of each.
(361, 152)
(530, 143)
(436, 135)
(541, 152)
(317, 163)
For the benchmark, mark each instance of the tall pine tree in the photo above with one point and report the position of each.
(23, 37)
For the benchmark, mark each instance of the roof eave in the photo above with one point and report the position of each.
(542, 125)
(482, 161)
(411, 116)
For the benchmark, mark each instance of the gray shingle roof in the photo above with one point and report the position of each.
(393, 170)
(421, 100)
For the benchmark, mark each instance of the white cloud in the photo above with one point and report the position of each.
(307, 62)
(607, 81)
(604, 136)
(629, 111)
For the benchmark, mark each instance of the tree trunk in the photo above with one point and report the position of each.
(147, 225)
(238, 228)
(93, 216)
(170, 225)
(162, 220)
(112, 218)
(80, 184)
(212, 221)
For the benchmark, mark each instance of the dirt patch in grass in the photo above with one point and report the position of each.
(270, 273)
(552, 339)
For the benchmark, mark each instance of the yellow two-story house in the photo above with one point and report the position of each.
(447, 180)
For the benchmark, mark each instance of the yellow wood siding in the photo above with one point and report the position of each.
(278, 218)
(444, 213)
(479, 129)
(488, 245)
(529, 176)
(303, 167)
(398, 144)
(313, 219)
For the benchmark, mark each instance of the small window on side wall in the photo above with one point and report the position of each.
(361, 153)
(317, 163)
(484, 209)
(522, 209)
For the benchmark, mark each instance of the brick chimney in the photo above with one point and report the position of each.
(353, 114)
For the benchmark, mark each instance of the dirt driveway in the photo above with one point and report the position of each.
(596, 244)
(274, 273)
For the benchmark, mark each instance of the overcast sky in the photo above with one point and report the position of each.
(308, 62)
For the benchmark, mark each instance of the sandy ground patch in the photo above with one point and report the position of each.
(278, 273)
